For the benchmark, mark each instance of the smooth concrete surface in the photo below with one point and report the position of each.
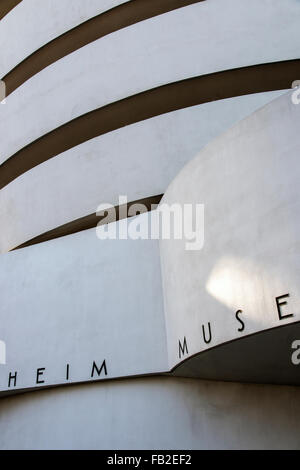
(153, 413)
(108, 294)
(137, 161)
(39, 22)
(170, 47)
(76, 300)
(247, 180)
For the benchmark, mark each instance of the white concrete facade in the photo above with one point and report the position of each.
(139, 161)
(39, 23)
(129, 61)
(249, 256)
(80, 300)
(153, 413)
(93, 329)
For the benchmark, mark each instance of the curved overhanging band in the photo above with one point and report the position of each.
(259, 357)
(117, 18)
(6, 6)
(92, 220)
(157, 101)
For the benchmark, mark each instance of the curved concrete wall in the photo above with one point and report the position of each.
(77, 300)
(138, 161)
(40, 22)
(153, 413)
(103, 24)
(73, 302)
(249, 262)
(129, 61)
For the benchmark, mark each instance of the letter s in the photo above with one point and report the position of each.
(241, 321)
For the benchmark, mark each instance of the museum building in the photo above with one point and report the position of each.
(138, 342)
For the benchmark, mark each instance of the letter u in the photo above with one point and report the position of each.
(207, 341)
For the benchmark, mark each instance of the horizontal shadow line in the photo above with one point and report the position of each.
(6, 6)
(91, 221)
(148, 104)
(117, 18)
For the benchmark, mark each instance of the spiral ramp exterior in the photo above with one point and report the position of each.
(161, 102)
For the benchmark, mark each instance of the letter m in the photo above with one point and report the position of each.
(183, 348)
(95, 368)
